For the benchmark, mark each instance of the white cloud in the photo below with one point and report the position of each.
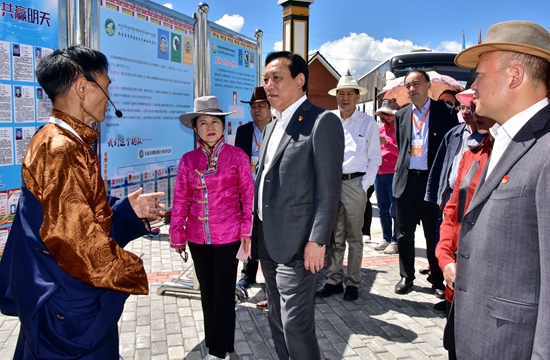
(278, 46)
(360, 52)
(233, 22)
(451, 46)
(168, 5)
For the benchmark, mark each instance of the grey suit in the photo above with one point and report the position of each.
(300, 200)
(502, 287)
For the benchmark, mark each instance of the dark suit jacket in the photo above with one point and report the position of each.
(442, 119)
(302, 187)
(244, 137)
(438, 181)
(502, 287)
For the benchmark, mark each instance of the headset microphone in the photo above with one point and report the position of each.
(88, 77)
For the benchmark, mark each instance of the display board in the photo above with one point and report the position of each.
(150, 51)
(233, 67)
(29, 30)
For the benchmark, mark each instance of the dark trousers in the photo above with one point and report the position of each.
(290, 290)
(216, 270)
(250, 270)
(368, 212)
(449, 332)
(410, 207)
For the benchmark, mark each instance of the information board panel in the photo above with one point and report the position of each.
(150, 51)
(29, 30)
(233, 66)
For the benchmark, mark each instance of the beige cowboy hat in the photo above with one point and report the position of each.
(347, 82)
(519, 36)
(204, 105)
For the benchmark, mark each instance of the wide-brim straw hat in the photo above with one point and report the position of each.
(347, 82)
(466, 97)
(258, 95)
(204, 105)
(518, 36)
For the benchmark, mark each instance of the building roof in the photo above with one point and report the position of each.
(317, 55)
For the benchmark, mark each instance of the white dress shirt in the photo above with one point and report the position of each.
(420, 162)
(362, 146)
(504, 133)
(281, 122)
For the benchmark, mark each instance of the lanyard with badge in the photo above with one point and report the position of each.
(255, 156)
(418, 142)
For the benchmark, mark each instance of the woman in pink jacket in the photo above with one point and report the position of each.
(212, 212)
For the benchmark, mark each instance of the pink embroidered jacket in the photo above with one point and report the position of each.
(213, 197)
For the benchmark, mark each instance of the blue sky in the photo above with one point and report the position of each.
(358, 34)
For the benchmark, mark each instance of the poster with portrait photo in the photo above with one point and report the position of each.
(22, 65)
(44, 105)
(23, 105)
(5, 51)
(21, 144)
(5, 103)
(6, 146)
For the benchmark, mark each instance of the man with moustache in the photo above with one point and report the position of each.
(502, 284)
(296, 199)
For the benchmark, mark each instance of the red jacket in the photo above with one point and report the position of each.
(450, 228)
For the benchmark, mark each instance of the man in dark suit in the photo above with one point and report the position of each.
(502, 284)
(297, 190)
(249, 138)
(420, 128)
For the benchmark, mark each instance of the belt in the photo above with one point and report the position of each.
(352, 175)
(413, 172)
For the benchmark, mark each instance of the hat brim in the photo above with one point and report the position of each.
(385, 111)
(362, 90)
(469, 57)
(187, 119)
(250, 102)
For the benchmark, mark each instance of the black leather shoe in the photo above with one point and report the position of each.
(424, 271)
(441, 306)
(403, 285)
(352, 293)
(330, 289)
(440, 294)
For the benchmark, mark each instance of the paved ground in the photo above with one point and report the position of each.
(379, 325)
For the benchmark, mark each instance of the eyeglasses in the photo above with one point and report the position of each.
(383, 114)
(259, 106)
(464, 108)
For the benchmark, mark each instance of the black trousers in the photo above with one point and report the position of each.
(250, 270)
(216, 270)
(411, 207)
(368, 212)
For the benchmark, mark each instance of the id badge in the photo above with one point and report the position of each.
(416, 147)
(254, 163)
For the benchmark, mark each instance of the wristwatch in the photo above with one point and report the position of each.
(320, 245)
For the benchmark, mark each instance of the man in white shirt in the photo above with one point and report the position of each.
(502, 284)
(361, 161)
(296, 199)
